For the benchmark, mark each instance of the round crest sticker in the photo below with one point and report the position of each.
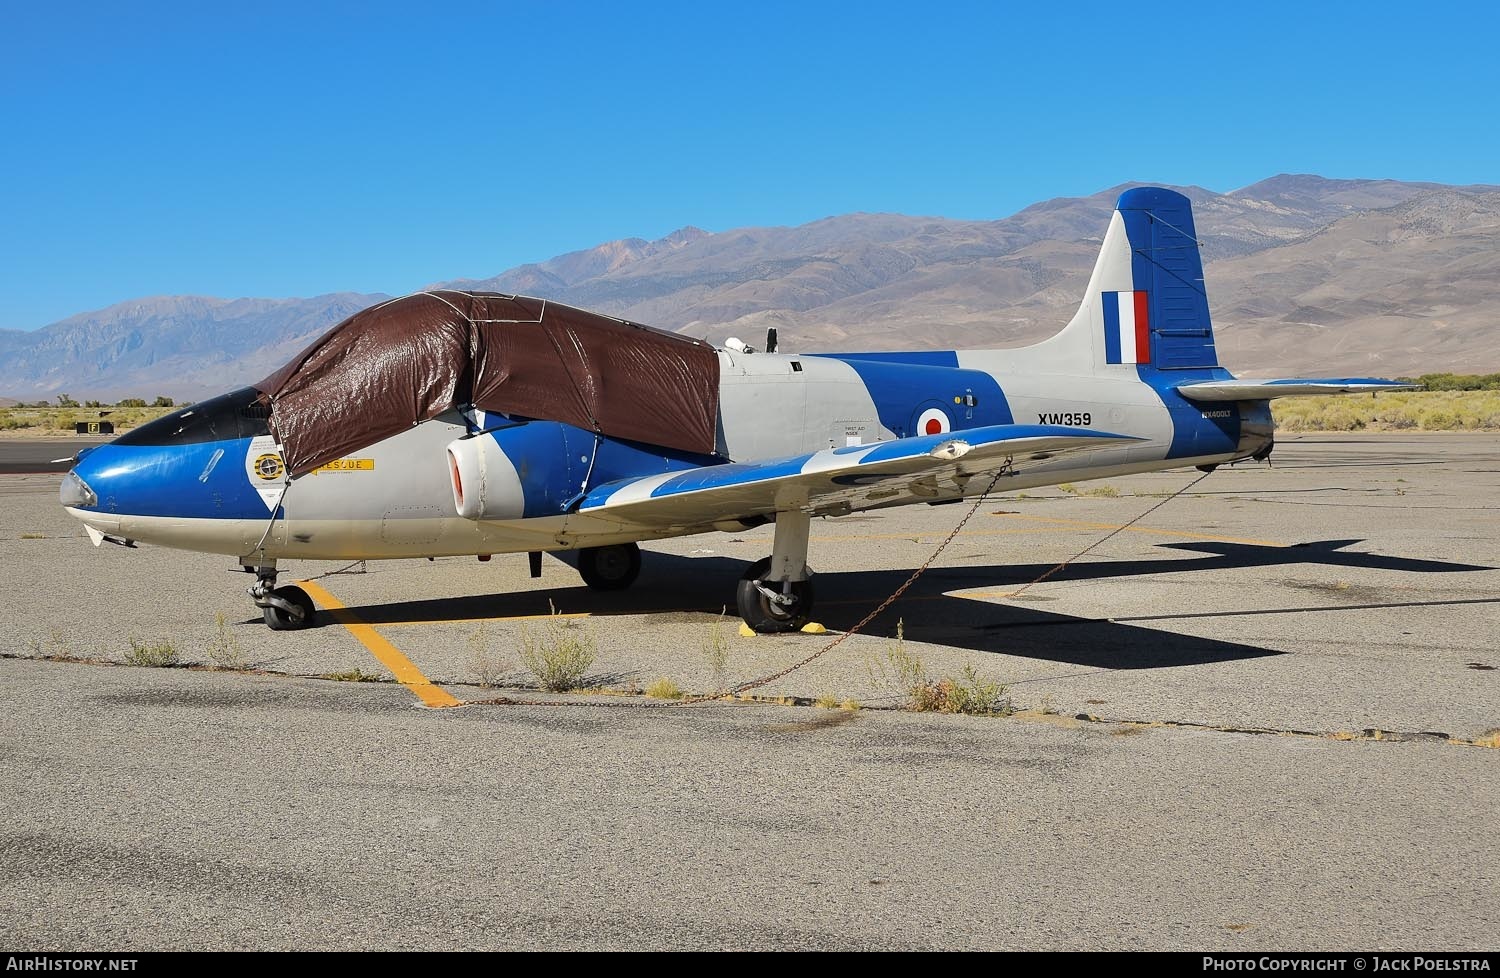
(269, 466)
(265, 470)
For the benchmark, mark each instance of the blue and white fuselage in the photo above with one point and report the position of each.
(1132, 384)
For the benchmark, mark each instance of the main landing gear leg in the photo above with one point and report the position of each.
(776, 593)
(284, 608)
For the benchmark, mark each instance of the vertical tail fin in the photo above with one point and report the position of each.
(1145, 306)
(1167, 266)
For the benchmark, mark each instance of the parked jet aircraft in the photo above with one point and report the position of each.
(451, 423)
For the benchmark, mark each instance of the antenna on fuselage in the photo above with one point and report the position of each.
(771, 340)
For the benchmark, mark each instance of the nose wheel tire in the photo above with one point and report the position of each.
(301, 615)
(777, 611)
(610, 568)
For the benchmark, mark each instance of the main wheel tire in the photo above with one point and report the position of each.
(610, 568)
(764, 615)
(279, 620)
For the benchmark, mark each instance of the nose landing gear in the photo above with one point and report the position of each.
(284, 608)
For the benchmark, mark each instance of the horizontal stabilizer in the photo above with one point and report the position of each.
(1264, 390)
(856, 477)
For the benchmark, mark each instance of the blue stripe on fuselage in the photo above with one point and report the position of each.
(552, 460)
(1197, 429)
(173, 480)
(746, 473)
(903, 385)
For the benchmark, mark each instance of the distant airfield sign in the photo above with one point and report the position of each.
(94, 427)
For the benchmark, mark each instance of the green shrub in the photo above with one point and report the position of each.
(355, 675)
(664, 689)
(486, 669)
(1458, 382)
(715, 650)
(968, 693)
(225, 650)
(559, 656)
(972, 695)
(160, 654)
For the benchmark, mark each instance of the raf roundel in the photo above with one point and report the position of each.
(933, 421)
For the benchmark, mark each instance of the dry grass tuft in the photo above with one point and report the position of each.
(1104, 491)
(354, 675)
(664, 689)
(485, 668)
(967, 693)
(1398, 411)
(225, 650)
(158, 655)
(60, 420)
(561, 654)
(715, 648)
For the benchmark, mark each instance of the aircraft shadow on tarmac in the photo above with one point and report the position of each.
(696, 588)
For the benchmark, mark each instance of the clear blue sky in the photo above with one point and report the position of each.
(274, 150)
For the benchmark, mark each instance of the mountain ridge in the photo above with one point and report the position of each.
(1305, 274)
(171, 344)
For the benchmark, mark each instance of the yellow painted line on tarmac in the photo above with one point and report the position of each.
(1085, 524)
(405, 671)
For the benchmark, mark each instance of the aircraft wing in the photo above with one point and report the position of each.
(839, 480)
(1263, 390)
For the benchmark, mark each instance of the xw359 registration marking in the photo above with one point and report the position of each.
(1076, 419)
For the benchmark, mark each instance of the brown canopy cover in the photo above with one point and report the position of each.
(407, 360)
